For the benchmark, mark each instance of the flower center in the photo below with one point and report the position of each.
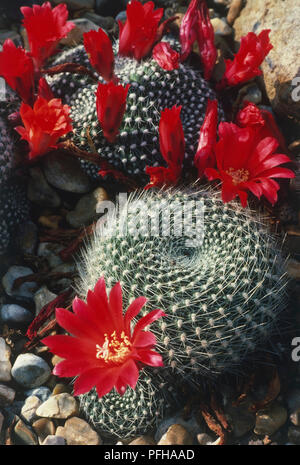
(115, 348)
(238, 176)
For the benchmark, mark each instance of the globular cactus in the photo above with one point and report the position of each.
(136, 412)
(222, 282)
(14, 208)
(152, 89)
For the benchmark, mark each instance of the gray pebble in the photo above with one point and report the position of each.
(15, 314)
(30, 371)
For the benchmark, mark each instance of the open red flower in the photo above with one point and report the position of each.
(45, 27)
(111, 106)
(262, 120)
(104, 352)
(140, 31)
(100, 52)
(166, 57)
(16, 67)
(245, 65)
(196, 26)
(172, 148)
(205, 155)
(245, 162)
(44, 124)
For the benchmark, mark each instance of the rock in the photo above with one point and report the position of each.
(270, 419)
(105, 22)
(5, 365)
(13, 35)
(240, 419)
(30, 371)
(24, 434)
(42, 297)
(42, 392)
(176, 435)
(293, 268)
(77, 432)
(26, 290)
(253, 94)
(234, 11)
(65, 173)
(50, 251)
(294, 435)
(74, 5)
(75, 36)
(15, 314)
(143, 441)
(7, 395)
(109, 8)
(1, 421)
(86, 209)
(30, 407)
(53, 440)
(221, 27)
(191, 425)
(43, 427)
(279, 67)
(295, 417)
(40, 192)
(58, 406)
(28, 237)
(204, 439)
(59, 388)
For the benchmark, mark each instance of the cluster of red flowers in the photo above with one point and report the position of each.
(47, 120)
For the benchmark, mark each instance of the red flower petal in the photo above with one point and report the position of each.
(128, 375)
(165, 56)
(205, 155)
(144, 339)
(196, 25)
(132, 311)
(151, 358)
(147, 320)
(111, 105)
(100, 52)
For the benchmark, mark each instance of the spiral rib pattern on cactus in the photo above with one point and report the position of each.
(135, 412)
(222, 295)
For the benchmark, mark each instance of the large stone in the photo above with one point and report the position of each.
(30, 371)
(64, 172)
(15, 315)
(5, 365)
(25, 290)
(75, 36)
(58, 406)
(43, 427)
(176, 435)
(77, 432)
(42, 297)
(270, 419)
(53, 440)
(40, 192)
(30, 407)
(24, 434)
(7, 395)
(86, 209)
(281, 66)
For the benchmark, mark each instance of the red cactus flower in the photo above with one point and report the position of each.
(246, 62)
(172, 147)
(44, 124)
(205, 155)
(245, 162)
(262, 120)
(166, 57)
(16, 67)
(44, 90)
(100, 52)
(111, 106)
(140, 31)
(45, 27)
(196, 26)
(104, 352)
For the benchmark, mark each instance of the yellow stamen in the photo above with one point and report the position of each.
(238, 176)
(115, 348)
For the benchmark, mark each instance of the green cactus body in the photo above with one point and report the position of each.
(221, 287)
(136, 412)
(152, 89)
